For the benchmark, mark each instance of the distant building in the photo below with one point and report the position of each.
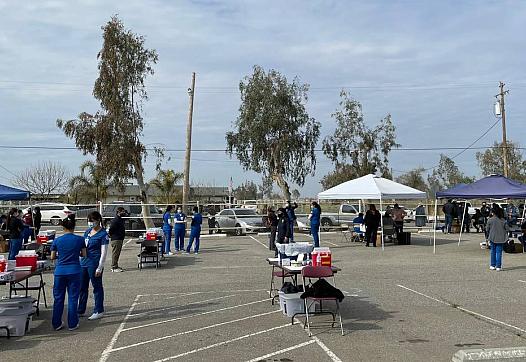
(203, 194)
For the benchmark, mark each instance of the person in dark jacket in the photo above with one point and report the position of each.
(283, 227)
(16, 228)
(464, 218)
(372, 222)
(291, 214)
(37, 220)
(272, 223)
(449, 212)
(117, 232)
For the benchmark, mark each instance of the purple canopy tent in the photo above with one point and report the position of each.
(490, 187)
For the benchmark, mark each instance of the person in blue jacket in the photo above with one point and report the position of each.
(66, 250)
(195, 231)
(292, 217)
(314, 218)
(179, 228)
(96, 240)
(167, 230)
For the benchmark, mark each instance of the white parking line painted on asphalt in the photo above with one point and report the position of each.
(328, 242)
(127, 242)
(109, 347)
(259, 242)
(475, 314)
(192, 331)
(182, 294)
(195, 315)
(522, 281)
(326, 349)
(183, 305)
(223, 343)
(281, 351)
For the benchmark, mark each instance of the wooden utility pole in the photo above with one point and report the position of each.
(186, 184)
(503, 115)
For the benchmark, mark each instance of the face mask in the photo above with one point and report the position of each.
(90, 224)
(179, 211)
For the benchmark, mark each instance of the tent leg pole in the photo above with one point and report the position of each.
(382, 223)
(435, 228)
(463, 217)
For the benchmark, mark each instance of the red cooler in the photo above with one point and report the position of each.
(321, 257)
(27, 260)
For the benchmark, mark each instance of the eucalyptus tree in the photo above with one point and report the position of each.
(113, 134)
(273, 134)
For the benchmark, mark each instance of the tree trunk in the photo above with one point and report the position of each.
(283, 185)
(148, 222)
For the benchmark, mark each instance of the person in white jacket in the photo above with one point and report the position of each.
(96, 239)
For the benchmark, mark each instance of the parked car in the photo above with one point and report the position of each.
(54, 213)
(134, 221)
(239, 221)
(345, 215)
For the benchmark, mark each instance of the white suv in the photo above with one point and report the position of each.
(54, 213)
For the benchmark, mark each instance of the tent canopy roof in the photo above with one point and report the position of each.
(490, 187)
(8, 193)
(371, 187)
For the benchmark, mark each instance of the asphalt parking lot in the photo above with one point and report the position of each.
(402, 304)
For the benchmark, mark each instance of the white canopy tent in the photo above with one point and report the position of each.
(371, 187)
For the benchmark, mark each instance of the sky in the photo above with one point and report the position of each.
(433, 65)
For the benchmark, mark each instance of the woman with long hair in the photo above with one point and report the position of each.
(167, 229)
(497, 229)
(96, 240)
(66, 250)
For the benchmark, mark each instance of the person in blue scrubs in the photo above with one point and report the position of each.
(314, 218)
(179, 228)
(195, 231)
(66, 249)
(167, 230)
(96, 240)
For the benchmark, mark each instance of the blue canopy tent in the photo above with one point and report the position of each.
(490, 187)
(8, 193)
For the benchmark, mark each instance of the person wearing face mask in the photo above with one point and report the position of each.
(283, 227)
(195, 232)
(15, 228)
(96, 240)
(314, 218)
(167, 230)
(117, 233)
(179, 229)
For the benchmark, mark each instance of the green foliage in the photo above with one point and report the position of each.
(273, 134)
(91, 184)
(354, 148)
(113, 133)
(446, 175)
(491, 161)
(414, 178)
(247, 191)
(166, 182)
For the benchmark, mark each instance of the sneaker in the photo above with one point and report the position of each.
(96, 316)
(498, 269)
(117, 270)
(491, 268)
(170, 253)
(187, 252)
(74, 328)
(60, 326)
(196, 252)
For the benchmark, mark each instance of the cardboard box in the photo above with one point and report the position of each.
(4, 246)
